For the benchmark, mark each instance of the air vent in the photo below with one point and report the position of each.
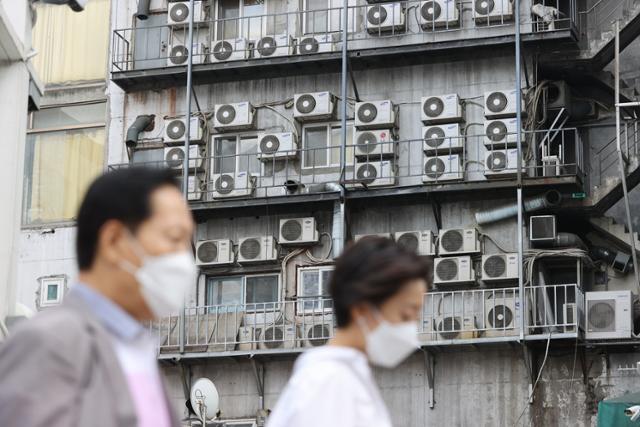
(458, 241)
(542, 229)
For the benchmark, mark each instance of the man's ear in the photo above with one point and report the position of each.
(111, 242)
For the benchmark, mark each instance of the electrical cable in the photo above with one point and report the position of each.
(322, 260)
(533, 389)
(495, 243)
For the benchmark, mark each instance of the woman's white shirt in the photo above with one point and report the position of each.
(330, 386)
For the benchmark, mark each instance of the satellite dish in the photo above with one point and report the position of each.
(205, 400)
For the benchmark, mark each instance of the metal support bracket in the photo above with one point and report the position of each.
(353, 80)
(259, 372)
(437, 212)
(429, 364)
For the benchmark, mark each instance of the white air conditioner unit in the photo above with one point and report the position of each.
(374, 144)
(375, 115)
(420, 242)
(229, 50)
(316, 44)
(442, 168)
(277, 146)
(174, 157)
(455, 241)
(609, 315)
(229, 185)
(362, 236)
(317, 332)
(453, 270)
(275, 45)
(214, 252)
(382, 18)
(502, 312)
(501, 103)
(175, 129)
(501, 163)
(178, 12)
(441, 109)
(492, 11)
(247, 338)
(374, 174)
(551, 166)
(444, 138)
(438, 13)
(295, 231)
(501, 133)
(278, 336)
(314, 106)
(194, 188)
(542, 229)
(179, 53)
(499, 267)
(257, 249)
(238, 116)
(455, 327)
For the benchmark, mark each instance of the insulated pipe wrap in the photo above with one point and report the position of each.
(140, 124)
(549, 199)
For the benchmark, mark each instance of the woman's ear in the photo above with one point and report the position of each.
(363, 311)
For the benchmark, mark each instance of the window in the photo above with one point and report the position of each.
(313, 289)
(253, 293)
(236, 154)
(325, 16)
(240, 18)
(64, 153)
(51, 291)
(322, 145)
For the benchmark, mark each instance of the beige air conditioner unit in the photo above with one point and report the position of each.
(278, 336)
(295, 231)
(257, 249)
(453, 271)
(420, 242)
(214, 252)
(456, 241)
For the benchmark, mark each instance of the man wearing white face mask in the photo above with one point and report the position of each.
(90, 361)
(377, 289)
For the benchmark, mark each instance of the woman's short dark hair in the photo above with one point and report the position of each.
(372, 271)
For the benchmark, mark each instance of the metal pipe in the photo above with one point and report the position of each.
(568, 240)
(621, 164)
(550, 199)
(519, 165)
(139, 125)
(143, 10)
(339, 215)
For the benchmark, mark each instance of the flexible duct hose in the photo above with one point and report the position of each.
(551, 198)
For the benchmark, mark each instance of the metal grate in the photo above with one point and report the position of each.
(433, 107)
(447, 269)
(226, 114)
(602, 315)
(291, 230)
(434, 136)
(496, 101)
(250, 249)
(500, 317)
(409, 241)
(452, 240)
(449, 328)
(208, 252)
(367, 112)
(495, 266)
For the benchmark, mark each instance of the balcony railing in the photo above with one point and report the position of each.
(431, 161)
(452, 317)
(306, 32)
(606, 158)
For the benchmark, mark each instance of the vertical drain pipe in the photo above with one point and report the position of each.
(519, 169)
(621, 164)
(339, 211)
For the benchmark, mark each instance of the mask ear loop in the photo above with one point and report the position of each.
(127, 265)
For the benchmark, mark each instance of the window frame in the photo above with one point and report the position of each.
(330, 10)
(243, 297)
(45, 282)
(322, 307)
(329, 127)
(238, 155)
(241, 21)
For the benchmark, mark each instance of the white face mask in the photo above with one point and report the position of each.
(389, 343)
(163, 279)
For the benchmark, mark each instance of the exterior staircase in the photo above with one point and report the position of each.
(616, 232)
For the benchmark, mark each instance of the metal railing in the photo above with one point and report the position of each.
(597, 20)
(434, 160)
(606, 158)
(447, 317)
(318, 31)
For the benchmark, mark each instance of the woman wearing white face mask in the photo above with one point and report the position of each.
(377, 289)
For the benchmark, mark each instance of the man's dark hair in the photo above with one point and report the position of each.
(123, 195)
(372, 271)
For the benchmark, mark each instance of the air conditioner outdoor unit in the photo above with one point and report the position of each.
(438, 13)
(442, 168)
(214, 252)
(295, 231)
(499, 267)
(238, 116)
(362, 236)
(500, 103)
(455, 241)
(194, 188)
(317, 333)
(445, 138)
(316, 44)
(559, 96)
(257, 249)
(275, 45)
(441, 109)
(374, 144)
(229, 185)
(551, 166)
(456, 327)
(609, 315)
(277, 146)
(375, 173)
(174, 157)
(501, 133)
(178, 12)
(375, 115)
(382, 18)
(501, 310)
(501, 163)
(314, 106)
(247, 338)
(491, 11)
(175, 129)
(229, 50)
(278, 336)
(179, 53)
(420, 242)
(542, 229)
(453, 270)
(571, 317)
